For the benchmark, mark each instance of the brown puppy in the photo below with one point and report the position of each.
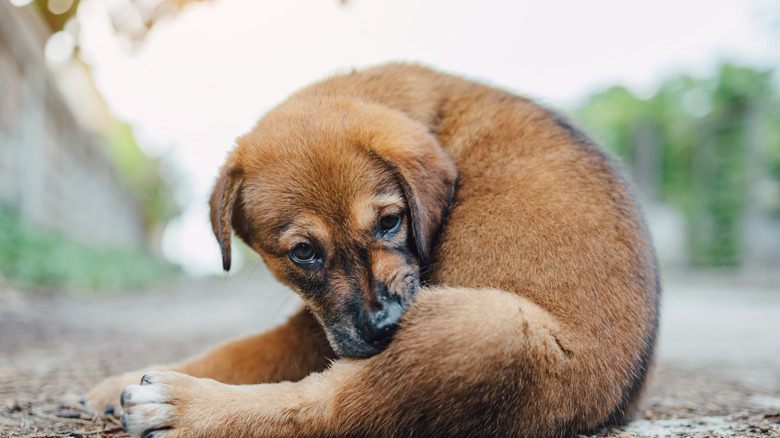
(476, 265)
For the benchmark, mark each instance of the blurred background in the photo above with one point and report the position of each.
(116, 114)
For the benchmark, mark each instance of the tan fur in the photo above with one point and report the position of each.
(537, 307)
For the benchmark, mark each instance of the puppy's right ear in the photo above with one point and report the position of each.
(427, 174)
(224, 203)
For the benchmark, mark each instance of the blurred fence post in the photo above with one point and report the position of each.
(761, 231)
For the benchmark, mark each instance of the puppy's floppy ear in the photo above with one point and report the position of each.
(224, 203)
(428, 176)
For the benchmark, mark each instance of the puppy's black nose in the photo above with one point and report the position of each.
(380, 325)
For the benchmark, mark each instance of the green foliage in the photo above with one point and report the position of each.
(42, 257)
(703, 131)
(612, 116)
(145, 177)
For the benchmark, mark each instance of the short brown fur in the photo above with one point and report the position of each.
(529, 286)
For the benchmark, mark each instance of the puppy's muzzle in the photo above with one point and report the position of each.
(377, 327)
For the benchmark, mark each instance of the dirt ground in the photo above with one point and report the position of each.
(717, 373)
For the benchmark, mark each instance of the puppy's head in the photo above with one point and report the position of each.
(343, 200)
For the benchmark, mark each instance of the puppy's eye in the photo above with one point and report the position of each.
(389, 223)
(303, 253)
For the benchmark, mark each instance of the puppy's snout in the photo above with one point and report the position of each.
(379, 325)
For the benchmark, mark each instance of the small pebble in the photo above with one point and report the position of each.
(68, 413)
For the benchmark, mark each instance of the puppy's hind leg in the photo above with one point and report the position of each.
(464, 363)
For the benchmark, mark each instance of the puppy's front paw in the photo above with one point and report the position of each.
(103, 399)
(167, 405)
(173, 405)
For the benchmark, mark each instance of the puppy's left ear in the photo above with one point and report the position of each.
(224, 203)
(428, 176)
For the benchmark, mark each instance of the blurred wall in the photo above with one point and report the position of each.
(53, 170)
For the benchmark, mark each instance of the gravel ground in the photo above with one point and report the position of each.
(717, 371)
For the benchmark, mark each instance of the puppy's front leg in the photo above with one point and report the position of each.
(288, 352)
(462, 360)
(174, 405)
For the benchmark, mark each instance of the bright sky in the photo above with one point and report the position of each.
(203, 78)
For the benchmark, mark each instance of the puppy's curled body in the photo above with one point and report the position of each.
(529, 289)
(539, 212)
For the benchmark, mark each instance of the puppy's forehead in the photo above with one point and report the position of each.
(341, 185)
